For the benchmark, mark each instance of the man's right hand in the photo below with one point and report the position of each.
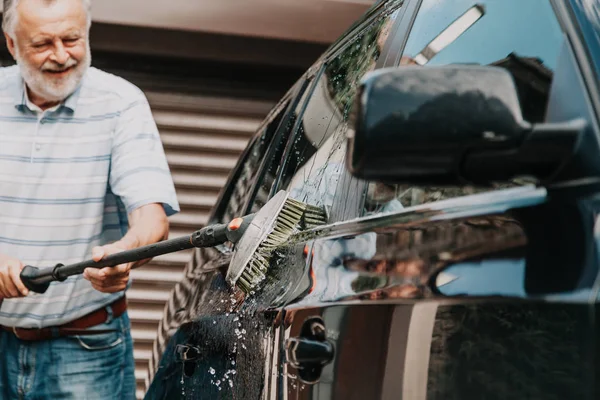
(10, 281)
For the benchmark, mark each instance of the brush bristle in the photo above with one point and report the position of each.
(313, 216)
(288, 221)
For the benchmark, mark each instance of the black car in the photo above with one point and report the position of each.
(455, 147)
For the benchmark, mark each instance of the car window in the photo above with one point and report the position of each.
(522, 36)
(314, 162)
(267, 180)
(373, 10)
(247, 172)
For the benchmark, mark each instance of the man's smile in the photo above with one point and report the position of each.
(59, 73)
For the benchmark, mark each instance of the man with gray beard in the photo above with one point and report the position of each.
(83, 174)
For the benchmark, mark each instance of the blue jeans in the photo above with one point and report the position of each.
(75, 367)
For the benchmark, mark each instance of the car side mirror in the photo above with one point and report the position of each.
(451, 125)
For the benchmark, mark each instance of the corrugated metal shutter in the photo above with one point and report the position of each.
(203, 138)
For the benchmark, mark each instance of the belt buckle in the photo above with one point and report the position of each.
(14, 329)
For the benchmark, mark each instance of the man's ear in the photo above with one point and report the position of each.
(10, 43)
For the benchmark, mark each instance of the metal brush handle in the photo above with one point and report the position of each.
(38, 280)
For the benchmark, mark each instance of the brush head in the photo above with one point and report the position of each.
(271, 227)
(276, 218)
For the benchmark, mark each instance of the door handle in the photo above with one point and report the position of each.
(189, 357)
(310, 351)
(301, 352)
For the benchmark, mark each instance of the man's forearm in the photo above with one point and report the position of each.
(147, 224)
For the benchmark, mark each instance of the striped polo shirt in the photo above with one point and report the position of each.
(69, 176)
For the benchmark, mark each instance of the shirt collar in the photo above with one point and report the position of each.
(70, 102)
(23, 102)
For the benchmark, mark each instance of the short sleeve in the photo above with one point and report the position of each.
(139, 172)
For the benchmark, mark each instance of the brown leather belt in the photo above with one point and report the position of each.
(76, 327)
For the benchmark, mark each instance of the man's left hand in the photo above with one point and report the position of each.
(108, 279)
(148, 224)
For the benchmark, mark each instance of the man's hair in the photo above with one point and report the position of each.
(9, 15)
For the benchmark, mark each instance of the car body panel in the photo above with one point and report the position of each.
(445, 350)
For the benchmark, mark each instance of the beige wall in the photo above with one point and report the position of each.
(319, 21)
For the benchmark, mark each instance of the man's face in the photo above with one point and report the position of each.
(51, 46)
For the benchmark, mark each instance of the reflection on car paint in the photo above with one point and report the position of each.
(400, 261)
(431, 257)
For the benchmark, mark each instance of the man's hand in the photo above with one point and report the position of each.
(148, 224)
(108, 279)
(10, 281)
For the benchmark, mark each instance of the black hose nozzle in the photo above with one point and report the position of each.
(38, 280)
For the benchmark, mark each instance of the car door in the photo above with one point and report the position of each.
(447, 292)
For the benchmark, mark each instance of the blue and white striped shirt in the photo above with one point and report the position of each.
(68, 178)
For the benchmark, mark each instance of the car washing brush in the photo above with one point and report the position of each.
(271, 228)
(256, 237)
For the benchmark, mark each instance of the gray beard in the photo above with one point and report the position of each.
(53, 90)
